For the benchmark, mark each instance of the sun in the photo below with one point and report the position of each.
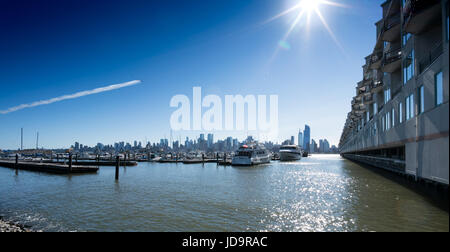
(304, 9)
(310, 5)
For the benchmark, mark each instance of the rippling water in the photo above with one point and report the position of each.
(319, 193)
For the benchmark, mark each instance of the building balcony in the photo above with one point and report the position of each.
(377, 86)
(425, 61)
(392, 60)
(376, 59)
(392, 28)
(418, 15)
(368, 99)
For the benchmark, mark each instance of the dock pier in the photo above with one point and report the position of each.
(55, 168)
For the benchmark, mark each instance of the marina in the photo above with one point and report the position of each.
(319, 193)
(224, 116)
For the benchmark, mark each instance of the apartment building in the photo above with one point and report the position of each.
(400, 114)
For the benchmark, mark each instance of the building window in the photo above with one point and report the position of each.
(383, 124)
(393, 117)
(409, 107)
(439, 88)
(387, 95)
(405, 38)
(375, 108)
(420, 100)
(408, 67)
(388, 120)
(400, 112)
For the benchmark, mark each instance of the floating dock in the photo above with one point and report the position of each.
(100, 163)
(48, 167)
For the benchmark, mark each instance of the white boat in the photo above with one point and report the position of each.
(248, 155)
(290, 153)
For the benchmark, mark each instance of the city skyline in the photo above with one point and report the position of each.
(170, 143)
(233, 53)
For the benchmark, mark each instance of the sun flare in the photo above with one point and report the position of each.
(310, 5)
(304, 10)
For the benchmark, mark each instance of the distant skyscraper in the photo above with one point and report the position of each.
(306, 138)
(292, 140)
(312, 147)
(326, 146)
(300, 139)
(235, 143)
(229, 143)
(210, 140)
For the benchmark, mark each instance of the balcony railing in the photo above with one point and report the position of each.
(413, 7)
(430, 57)
(376, 84)
(392, 55)
(391, 21)
(377, 56)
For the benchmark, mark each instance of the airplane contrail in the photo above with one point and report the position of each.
(71, 96)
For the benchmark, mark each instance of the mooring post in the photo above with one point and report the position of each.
(203, 158)
(117, 166)
(70, 162)
(17, 161)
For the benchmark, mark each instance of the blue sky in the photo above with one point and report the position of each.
(54, 48)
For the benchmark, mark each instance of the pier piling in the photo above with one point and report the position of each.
(70, 162)
(117, 167)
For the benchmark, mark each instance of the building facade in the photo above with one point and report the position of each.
(400, 115)
(306, 138)
(300, 139)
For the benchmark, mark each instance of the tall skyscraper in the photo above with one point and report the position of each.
(292, 140)
(312, 147)
(300, 139)
(210, 140)
(306, 138)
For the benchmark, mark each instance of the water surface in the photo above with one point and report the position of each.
(319, 193)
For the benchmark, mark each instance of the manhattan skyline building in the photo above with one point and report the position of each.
(306, 138)
(300, 139)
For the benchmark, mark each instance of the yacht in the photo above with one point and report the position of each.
(290, 153)
(252, 154)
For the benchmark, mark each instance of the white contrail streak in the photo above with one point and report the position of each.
(71, 96)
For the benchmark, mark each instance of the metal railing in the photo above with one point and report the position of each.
(430, 57)
(392, 55)
(413, 7)
(377, 56)
(391, 21)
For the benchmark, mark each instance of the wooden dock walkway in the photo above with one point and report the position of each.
(48, 167)
(95, 163)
